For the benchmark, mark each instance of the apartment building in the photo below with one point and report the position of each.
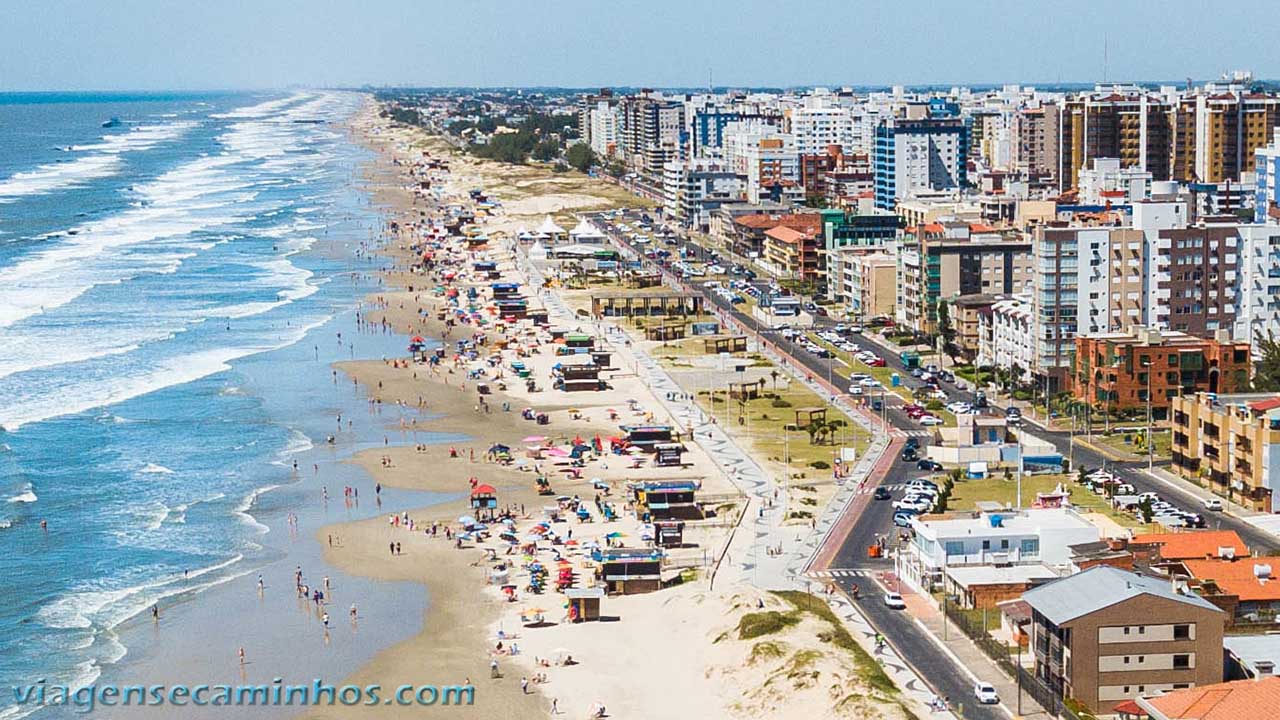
(915, 155)
(587, 104)
(1230, 125)
(1266, 195)
(1257, 309)
(1106, 183)
(818, 125)
(766, 157)
(1120, 370)
(1127, 123)
(693, 189)
(602, 135)
(943, 261)
(967, 316)
(1007, 336)
(748, 231)
(651, 131)
(1106, 635)
(1229, 443)
(864, 280)
(1034, 149)
(792, 252)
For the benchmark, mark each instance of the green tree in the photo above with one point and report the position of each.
(946, 331)
(546, 150)
(580, 157)
(1266, 376)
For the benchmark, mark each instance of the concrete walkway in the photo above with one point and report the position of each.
(762, 562)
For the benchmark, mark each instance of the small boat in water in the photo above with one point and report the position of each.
(113, 122)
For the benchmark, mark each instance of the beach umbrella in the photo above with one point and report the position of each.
(615, 535)
(467, 520)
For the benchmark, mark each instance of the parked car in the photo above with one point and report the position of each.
(930, 420)
(1213, 504)
(902, 518)
(986, 693)
(927, 464)
(895, 601)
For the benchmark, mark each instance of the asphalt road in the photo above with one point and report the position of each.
(898, 627)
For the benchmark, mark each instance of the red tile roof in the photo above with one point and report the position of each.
(1192, 545)
(1252, 699)
(805, 222)
(1265, 405)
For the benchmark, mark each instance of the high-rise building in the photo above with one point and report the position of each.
(1035, 140)
(603, 133)
(767, 158)
(1266, 198)
(1130, 124)
(915, 155)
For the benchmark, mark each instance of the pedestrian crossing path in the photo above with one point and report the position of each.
(920, 433)
(839, 573)
(891, 487)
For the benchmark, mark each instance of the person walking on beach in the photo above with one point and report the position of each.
(324, 618)
(260, 584)
(155, 613)
(241, 653)
(524, 685)
(493, 669)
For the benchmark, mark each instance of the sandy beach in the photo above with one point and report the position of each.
(689, 639)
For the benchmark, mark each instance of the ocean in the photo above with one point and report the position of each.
(171, 288)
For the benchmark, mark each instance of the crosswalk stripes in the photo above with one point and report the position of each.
(839, 573)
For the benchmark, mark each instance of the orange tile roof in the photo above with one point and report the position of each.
(1237, 577)
(786, 235)
(1253, 699)
(1265, 405)
(980, 228)
(1192, 545)
(932, 228)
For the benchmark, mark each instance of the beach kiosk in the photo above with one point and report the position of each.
(666, 500)
(646, 437)
(668, 454)
(630, 571)
(668, 533)
(584, 603)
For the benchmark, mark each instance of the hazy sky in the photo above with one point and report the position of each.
(200, 44)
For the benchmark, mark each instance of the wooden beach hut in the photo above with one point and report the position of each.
(584, 603)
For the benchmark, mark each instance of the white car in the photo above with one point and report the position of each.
(930, 420)
(1212, 504)
(869, 382)
(895, 601)
(986, 693)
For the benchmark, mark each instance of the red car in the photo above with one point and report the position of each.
(913, 407)
(877, 362)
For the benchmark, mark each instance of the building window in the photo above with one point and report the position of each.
(986, 544)
(1181, 661)
(1181, 632)
(954, 547)
(1030, 545)
(1126, 659)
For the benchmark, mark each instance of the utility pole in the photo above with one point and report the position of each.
(1151, 456)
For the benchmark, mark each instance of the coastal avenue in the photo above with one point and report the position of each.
(874, 520)
(948, 678)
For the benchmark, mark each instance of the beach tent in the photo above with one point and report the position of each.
(550, 229)
(585, 232)
(537, 251)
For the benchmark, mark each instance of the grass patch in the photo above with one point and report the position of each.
(868, 669)
(759, 624)
(967, 493)
(1130, 443)
(764, 421)
(765, 650)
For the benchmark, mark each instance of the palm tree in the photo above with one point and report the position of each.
(775, 375)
